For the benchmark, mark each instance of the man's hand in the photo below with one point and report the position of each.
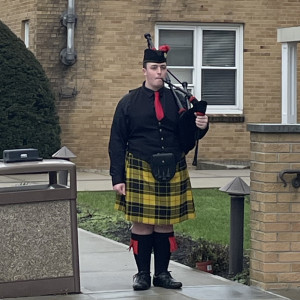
(201, 121)
(120, 188)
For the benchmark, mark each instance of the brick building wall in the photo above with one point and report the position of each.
(12, 13)
(109, 40)
(275, 208)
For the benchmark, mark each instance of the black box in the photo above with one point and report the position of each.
(17, 155)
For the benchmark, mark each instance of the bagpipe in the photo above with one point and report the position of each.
(188, 131)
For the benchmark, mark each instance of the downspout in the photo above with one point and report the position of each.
(68, 55)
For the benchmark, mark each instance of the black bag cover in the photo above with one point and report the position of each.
(188, 131)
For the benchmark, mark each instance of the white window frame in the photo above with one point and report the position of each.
(195, 87)
(25, 32)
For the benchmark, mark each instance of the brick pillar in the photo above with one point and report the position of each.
(275, 209)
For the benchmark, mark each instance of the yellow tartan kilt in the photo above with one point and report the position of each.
(149, 201)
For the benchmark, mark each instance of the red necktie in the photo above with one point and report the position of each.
(158, 107)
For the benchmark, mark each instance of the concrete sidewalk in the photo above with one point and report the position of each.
(101, 181)
(107, 267)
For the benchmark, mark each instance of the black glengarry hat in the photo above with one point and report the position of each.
(156, 56)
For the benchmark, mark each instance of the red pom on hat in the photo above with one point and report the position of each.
(164, 48)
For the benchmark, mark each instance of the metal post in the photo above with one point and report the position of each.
(236, 235)
(63, 177)
(237, 189)
(66, 154)
(68, 56)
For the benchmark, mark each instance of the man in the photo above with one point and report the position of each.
(149, 172)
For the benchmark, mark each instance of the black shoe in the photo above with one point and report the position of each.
(141, 281)
(166, 281)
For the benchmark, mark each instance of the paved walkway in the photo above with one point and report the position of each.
(106, 267)
(87, 181)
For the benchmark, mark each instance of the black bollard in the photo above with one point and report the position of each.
(237, 189)
(236, 235)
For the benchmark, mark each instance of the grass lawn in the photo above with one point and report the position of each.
(212, 208)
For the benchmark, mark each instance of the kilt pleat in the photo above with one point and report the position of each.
(149, 201)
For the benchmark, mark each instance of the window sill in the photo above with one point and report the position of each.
(216, 118)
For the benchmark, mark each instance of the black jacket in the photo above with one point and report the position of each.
(136, 130)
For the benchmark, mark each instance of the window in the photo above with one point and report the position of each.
(25, 32)
(210, 59)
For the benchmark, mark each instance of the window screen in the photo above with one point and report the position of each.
(218, 87)
(218, 48)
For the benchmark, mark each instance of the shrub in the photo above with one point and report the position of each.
(27, 104)
(219, 255)
(206, 250)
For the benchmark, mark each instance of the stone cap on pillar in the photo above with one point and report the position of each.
(273, 128)
(288, 35)
(237, 187)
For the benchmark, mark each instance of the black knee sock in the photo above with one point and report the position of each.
(164, 244)
(142, 249)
